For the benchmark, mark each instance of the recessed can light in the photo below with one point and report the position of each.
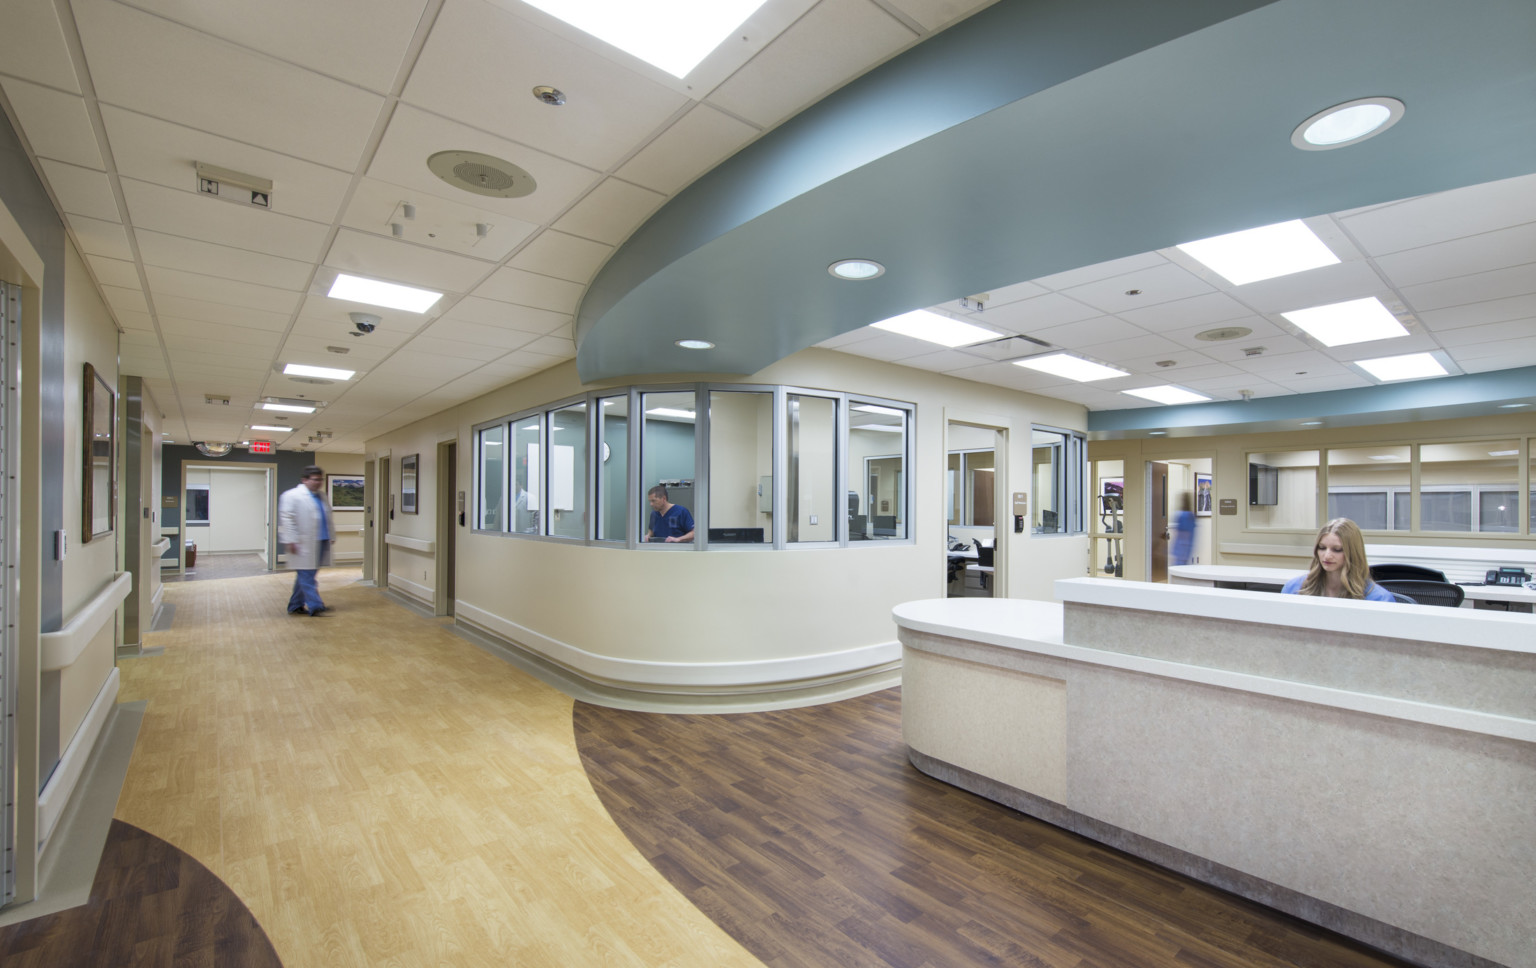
(856, 270)
(1346, 124)
(695, 344)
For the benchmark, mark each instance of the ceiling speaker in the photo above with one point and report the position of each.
(481, 174)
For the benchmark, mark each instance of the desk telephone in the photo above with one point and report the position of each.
(1506, 576)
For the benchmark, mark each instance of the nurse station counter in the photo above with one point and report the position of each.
(1369, 767)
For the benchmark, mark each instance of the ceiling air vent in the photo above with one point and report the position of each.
(1224, 333)
(481, 174)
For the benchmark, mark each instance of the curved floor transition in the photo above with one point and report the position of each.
(806, 835)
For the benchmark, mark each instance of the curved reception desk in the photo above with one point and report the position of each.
(1368, 767)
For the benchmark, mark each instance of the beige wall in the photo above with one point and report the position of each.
(91, 337)
(1234, 539)
(764, 608)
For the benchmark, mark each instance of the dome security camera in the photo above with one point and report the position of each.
(364, 322)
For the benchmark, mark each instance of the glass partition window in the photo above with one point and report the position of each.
(527, 473)
(1282, 490)
(1531, 505)
(567, 478)
(1108, 550)
(969, 483)
(1056, 475)
(813, 506)
(491, 478)
(613, 466)
(197, 504)
(667, 455)
(740, 467)
(1470, 486)
(877, 471)
(1371, 486)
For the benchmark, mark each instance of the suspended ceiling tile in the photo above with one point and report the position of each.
(933, 14)
(414, 135)
(943, 361)
(440, 346)
(696, 142)
(377, 257)
(1499, 249)
(151, 150)
(1321, 384)
(32, 45)
(115, 272)
(97, 237)
(57, 124)
(1160, 284)
(176, 330)
(1429, 219)
(1412, 343)
(890, 347)
(562, 256)
(134, 323)
(1259, 327)
(554, 347)
(1205, 311)
(1191, 367)
(610, 212)
(124, 300)
(200, 311)
(228, 292)
(478, 334)
(1479, 313)
(438, 223)
(835, 41)
(1476, 287)
(214, 341)
(1130, 349)
(845, 341)
(194, 216)
(155, 67)
(1030, 316)
(1087, 332)
(1315, 287)
(481, 64)
(491, 312)
(1513, 329)
(1103, 271)
(361, 41)
(1485, 357)
(81, 191)
(530, 289)
(207, 258)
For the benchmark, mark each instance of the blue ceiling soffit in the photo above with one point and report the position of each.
(1445, 398)
(1037, 137)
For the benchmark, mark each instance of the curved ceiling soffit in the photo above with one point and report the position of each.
(1036, 137)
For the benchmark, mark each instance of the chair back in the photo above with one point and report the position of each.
(1427, 592)
(1394, 571)
(984, 553)
(1403, 599)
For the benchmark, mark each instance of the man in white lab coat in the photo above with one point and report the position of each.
(304, 529)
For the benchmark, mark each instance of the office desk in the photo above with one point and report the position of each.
(1242, 575)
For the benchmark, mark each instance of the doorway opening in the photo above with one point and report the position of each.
(1179, 504)
(229, 512)
(972, 496)
(450, 517)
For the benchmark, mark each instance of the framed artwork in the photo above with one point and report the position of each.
(408, 483)
(99, 491)
(346, 492)
(1202, 495)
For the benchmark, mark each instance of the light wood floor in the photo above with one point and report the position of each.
(379, 792)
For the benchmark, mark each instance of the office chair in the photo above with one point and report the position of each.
(1427, 592)
(1392, 571)
(1403, 599)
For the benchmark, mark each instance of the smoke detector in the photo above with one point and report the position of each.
(482, 174)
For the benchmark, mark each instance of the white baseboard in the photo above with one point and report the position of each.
(421, 593)
(55, 796)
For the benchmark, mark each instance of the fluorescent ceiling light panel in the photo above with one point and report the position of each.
(1167, 394)
(1355, 321)
(670, 412)
(1071, 367)
(272, 428)
(386, 294)
(924, 325)
(888, 428)
(287, 407)
(871, 408)
(1413, 366)
(319, 372)
(1266, 252)
(674, 35)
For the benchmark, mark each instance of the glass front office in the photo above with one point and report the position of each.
(753, 466)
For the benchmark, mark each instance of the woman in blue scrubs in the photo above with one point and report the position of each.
(1339, 568)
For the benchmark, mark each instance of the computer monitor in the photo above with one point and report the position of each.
(885, 525)
(736, 535)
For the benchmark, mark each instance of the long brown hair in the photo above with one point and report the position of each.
(1357, 572)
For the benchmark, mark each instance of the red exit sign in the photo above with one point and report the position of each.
(261, 446)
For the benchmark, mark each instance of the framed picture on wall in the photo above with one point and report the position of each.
(1202, 495)
(346, 492)
(408, 483)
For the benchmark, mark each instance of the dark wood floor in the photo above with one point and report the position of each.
(806, 835)
(151, 905)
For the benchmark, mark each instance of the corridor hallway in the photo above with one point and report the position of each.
(378, 791)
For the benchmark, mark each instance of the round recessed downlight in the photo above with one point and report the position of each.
(483, 174)
(1346, 124)
(695, 344)
(856, 269)
(1224, 333)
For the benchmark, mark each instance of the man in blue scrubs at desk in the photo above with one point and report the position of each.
(669, 522)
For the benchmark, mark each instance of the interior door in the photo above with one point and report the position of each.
(1157, 521)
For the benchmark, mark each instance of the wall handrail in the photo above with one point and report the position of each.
(413, 544)
(60, 649)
